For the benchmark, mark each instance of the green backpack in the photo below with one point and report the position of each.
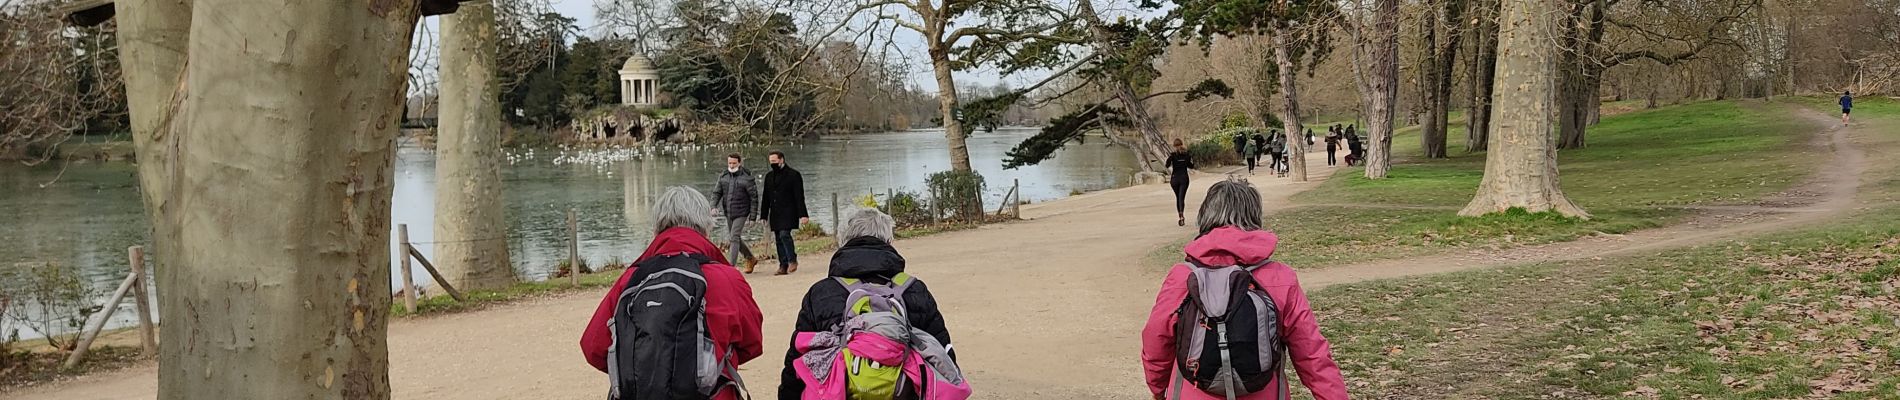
(866, 379)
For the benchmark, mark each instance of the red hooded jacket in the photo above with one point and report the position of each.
(1311, 355)
(731, 314)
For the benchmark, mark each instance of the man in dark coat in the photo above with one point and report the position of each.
(783, 209)
(867, 255)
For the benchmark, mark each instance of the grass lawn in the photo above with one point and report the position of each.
(1637, 165)
(1813, 313)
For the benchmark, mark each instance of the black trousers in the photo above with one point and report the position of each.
(1180, 185)
(1330, 159)
(1251, 161)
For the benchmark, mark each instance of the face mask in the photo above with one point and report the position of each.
(732, 169)
(778, 166)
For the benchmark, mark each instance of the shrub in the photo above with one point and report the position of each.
(50, 298)
(959, 194)
(809, 230)
(907, 209)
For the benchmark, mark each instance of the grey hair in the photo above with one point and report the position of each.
(868, 223)
(682, 207)
(1232, 202)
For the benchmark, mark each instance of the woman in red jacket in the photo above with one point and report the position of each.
(681, 221)
(1230, 220)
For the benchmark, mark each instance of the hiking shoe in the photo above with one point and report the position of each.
(781, 271)
(794, 268)
(749, 264)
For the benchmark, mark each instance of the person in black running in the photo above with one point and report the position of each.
(1179, 163)
(1847, 107)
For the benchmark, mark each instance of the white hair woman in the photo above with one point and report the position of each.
(681, 219)
(1231, 236)
(866, 255)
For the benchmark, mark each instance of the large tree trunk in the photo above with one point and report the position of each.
(1290, 111)
(471, 246)
(1483, 65)
(153, 36)
(947, 104)
(277, 283)
(1521, 169)
(1385, 89)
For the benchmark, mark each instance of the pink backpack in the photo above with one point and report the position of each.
(877, 333)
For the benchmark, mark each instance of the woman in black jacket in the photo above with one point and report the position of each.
(1178, 165)
(867, 255)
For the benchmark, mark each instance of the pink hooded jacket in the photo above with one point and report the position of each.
(1310, 353)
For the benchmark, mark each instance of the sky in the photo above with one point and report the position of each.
(583, 12)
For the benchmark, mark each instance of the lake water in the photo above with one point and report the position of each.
(90, 212)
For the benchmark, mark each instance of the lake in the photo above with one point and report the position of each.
(84, 215)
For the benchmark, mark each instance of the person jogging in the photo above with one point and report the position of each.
(1847, 107)
(1178, 165)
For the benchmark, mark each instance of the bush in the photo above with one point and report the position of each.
(1209, 153)
(51, 297)
(809, 230)
(908, 209)
(959, 194)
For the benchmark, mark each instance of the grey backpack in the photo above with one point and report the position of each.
(1227, 334)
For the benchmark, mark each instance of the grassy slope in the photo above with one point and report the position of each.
(1637, 164)
(1810, 313)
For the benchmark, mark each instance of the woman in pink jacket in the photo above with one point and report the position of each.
(1230, 235)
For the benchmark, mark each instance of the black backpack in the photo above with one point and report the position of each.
(1227, 334)
(661, 346)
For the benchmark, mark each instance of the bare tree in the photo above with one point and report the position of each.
(1480, 69)
(57, 79)
(1375, 42)
(1443, 24)
(1520, 170)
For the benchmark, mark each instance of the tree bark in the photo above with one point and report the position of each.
(1483, 66)
(1582, 73)
(1430, 141)
(1447, 63)
(470, 232)
(1385, 89)
(1521, 169)
(277, 279)
(153, 37)
(947, 104)
(1290, 107)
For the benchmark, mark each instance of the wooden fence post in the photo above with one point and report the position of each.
(439, 280)
(834, 214)
(573, 249)
(408, 277)
(1016, 198)
(147, 344)
(890, 201)
(97, 323)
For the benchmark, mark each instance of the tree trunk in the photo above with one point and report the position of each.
(947, 104)
(1431, 142)
(277, 280)
(1483, 66)
(1582, 74)
(471, 248)
(153, 36)
(1446, 63)
(1290, 112)
(1521, 169)
(1385, 89)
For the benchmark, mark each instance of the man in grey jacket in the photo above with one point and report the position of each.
(734, 196)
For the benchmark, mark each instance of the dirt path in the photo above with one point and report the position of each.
(1828, 194)
(1046, 308)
